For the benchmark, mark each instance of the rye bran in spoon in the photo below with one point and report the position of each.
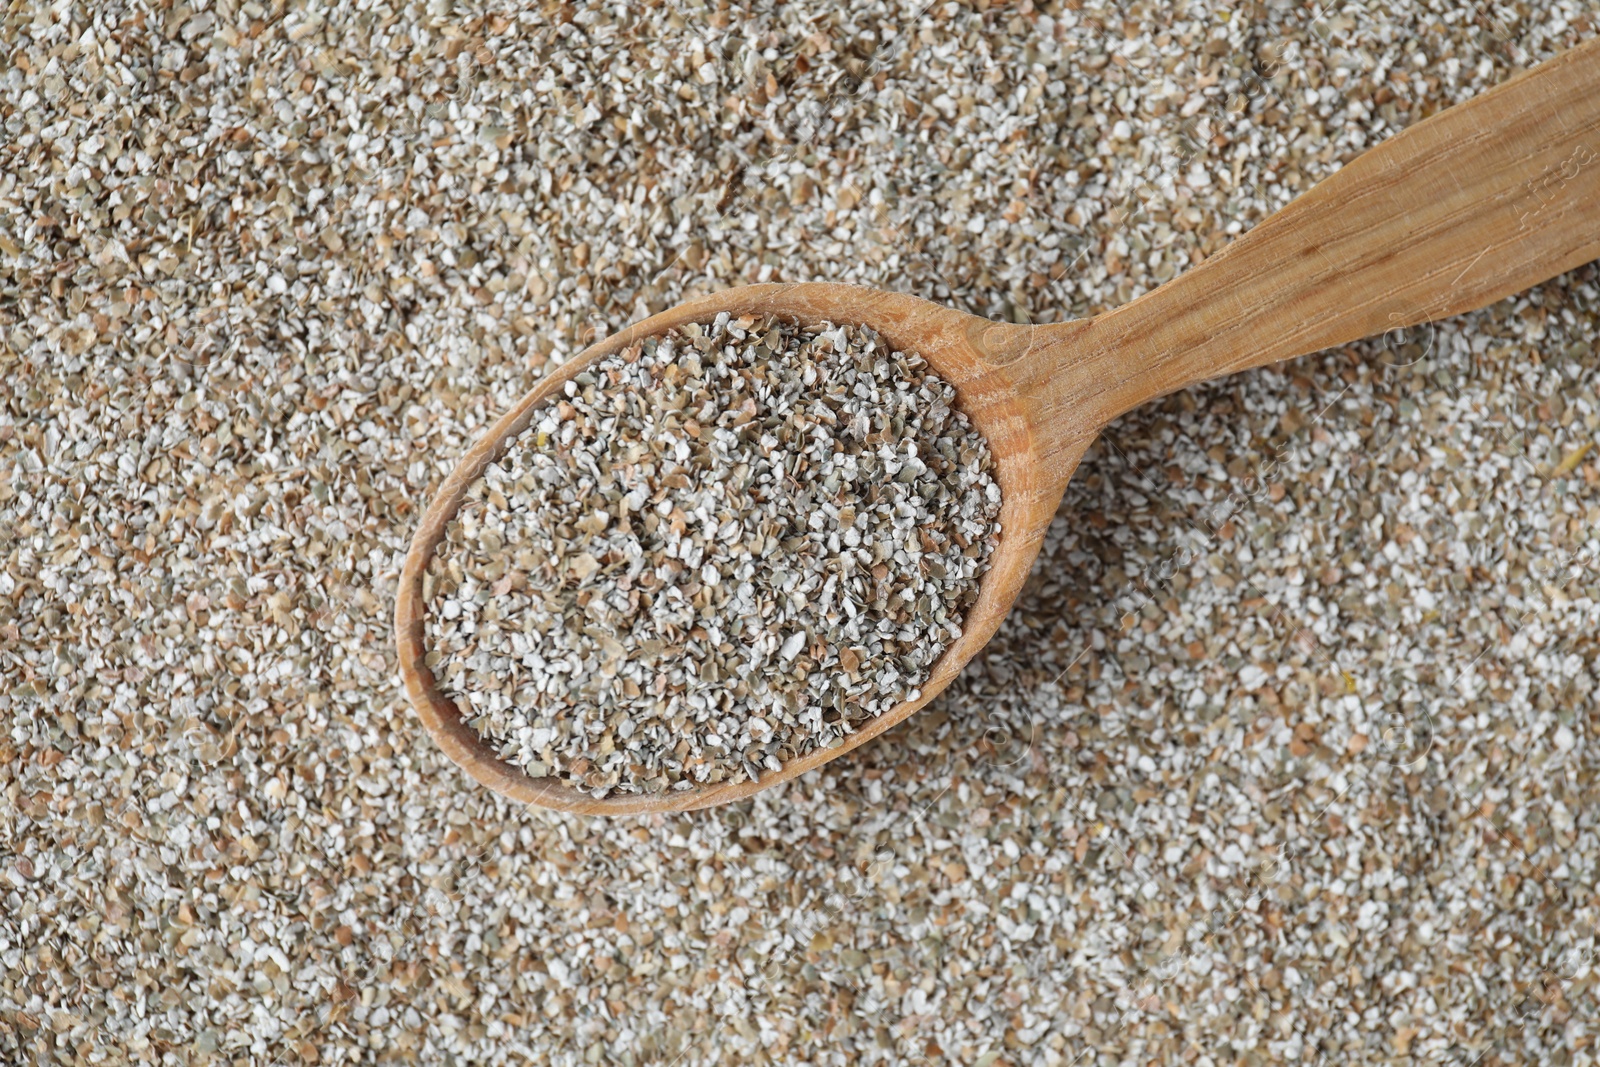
(722, 548)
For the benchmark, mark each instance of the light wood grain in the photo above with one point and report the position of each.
(1476, 203)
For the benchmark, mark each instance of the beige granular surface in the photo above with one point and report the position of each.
(1284, 756)
(716, 551)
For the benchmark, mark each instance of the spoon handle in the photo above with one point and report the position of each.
(1476, 203)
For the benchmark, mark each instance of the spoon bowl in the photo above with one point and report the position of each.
(1476, 203)
(965, 350)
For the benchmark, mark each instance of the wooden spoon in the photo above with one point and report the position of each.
(1474, 204)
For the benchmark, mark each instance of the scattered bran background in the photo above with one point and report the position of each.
(1286, 754)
